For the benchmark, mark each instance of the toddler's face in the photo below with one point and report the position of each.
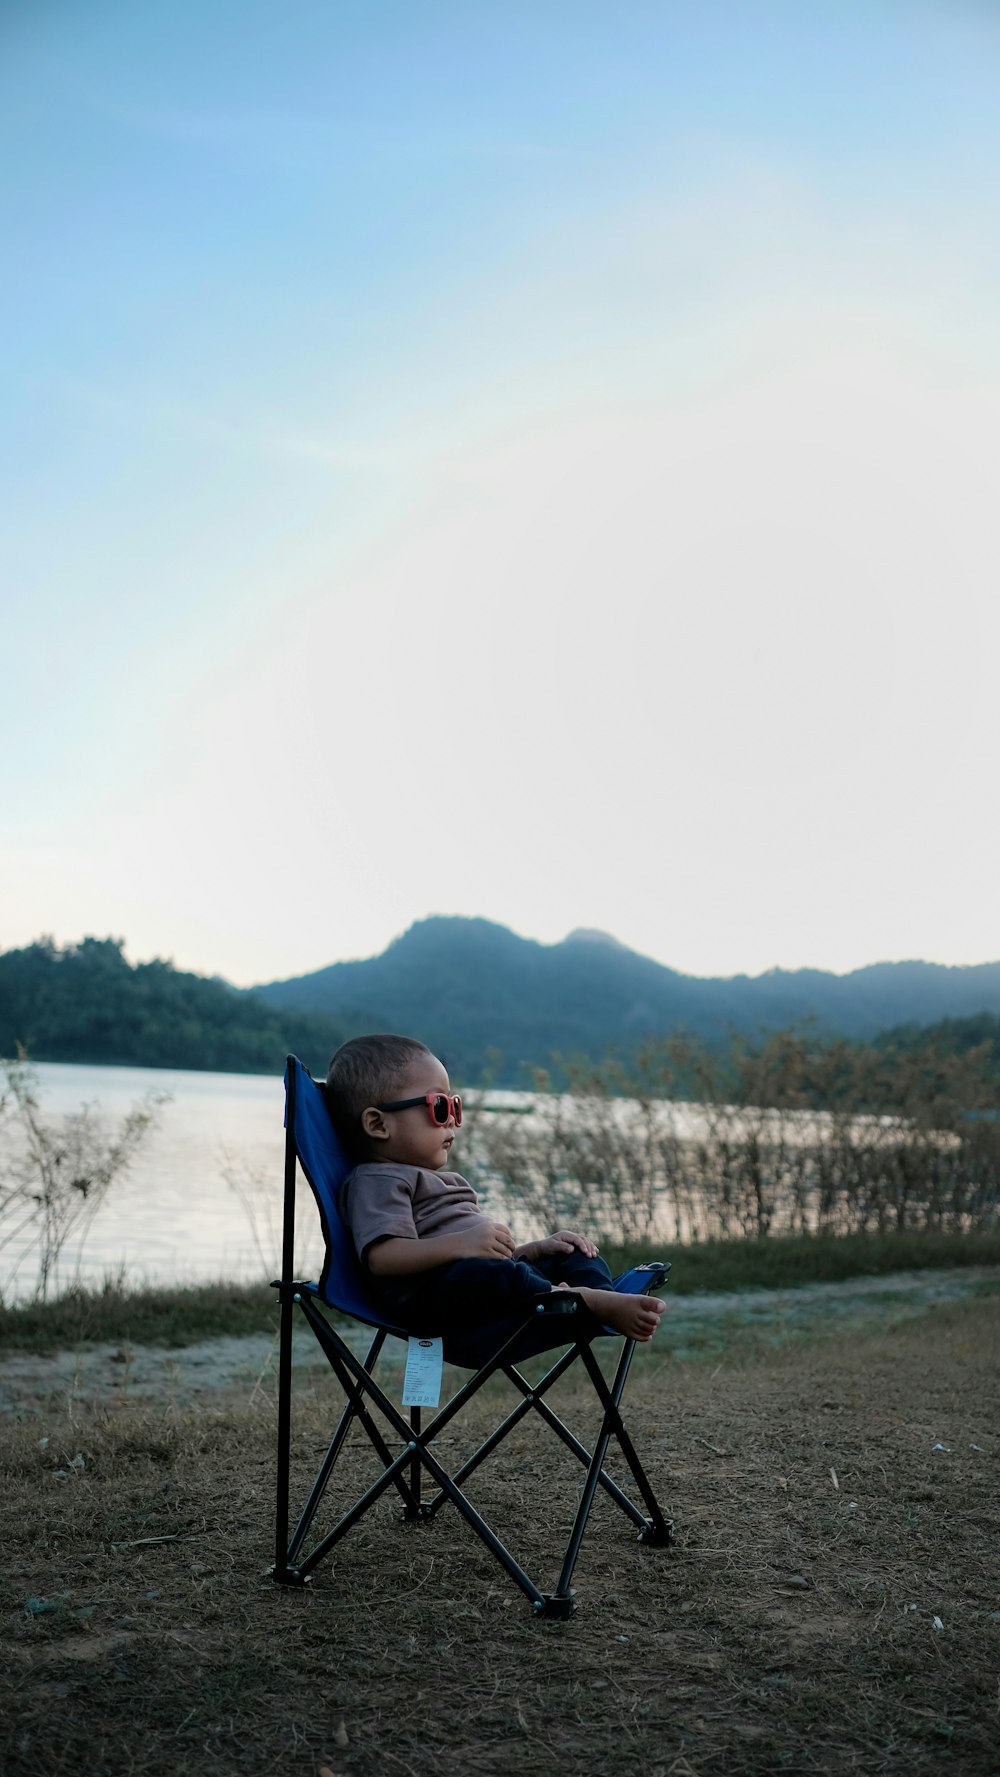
(414, 1138)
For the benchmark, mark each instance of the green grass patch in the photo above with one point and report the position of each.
(134, 1314)
(139, 1314)
(787, 1262)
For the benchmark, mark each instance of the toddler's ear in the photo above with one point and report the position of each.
(374, 1125)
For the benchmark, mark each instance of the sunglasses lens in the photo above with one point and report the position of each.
(443, 1107)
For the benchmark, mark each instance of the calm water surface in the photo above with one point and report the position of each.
(174, 1217)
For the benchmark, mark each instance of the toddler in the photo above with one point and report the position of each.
(435, 1262)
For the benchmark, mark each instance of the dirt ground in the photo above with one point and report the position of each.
(831, 1603)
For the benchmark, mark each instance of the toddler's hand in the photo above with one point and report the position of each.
(580, 1241)
(565, 1241)
(489, 1240)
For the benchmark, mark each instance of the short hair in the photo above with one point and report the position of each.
(366, 1071)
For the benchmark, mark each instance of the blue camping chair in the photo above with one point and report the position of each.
(311, 1142)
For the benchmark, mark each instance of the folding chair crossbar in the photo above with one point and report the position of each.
(310, 1141)
(583, 1455)
(354, 1409)
(532, 1399)
(657, 1528)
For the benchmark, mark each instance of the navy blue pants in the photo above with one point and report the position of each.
(474, 1292)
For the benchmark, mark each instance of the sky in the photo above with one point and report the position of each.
(519, 458)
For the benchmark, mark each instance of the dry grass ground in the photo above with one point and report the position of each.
(830, 1606)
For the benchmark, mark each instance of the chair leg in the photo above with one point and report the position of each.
(345, 1367)
(657, 1529)
(417, 1507)
(560, 1603)
(328, 1464)
(532, 1397)
(283, 1571)
(581, 1452)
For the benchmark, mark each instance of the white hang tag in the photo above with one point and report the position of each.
(422, 1378)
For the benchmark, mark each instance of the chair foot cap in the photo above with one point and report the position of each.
(288, 1576)
(658, 1536)
(559, 1605)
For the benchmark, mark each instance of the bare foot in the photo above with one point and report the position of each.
(636, 1316)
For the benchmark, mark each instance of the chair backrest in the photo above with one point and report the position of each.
(322, 1157)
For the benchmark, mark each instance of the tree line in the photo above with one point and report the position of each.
(87, 1003)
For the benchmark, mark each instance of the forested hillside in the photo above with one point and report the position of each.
(88, 1003)
(950, 1037)
(492, 1004)
(481, 995)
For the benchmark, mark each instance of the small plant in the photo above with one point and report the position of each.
(259, 1193)
(55, 1172)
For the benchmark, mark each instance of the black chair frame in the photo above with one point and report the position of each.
(366, 1403)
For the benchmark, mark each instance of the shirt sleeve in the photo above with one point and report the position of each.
(378, 1205)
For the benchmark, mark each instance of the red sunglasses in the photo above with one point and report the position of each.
(441, 1106)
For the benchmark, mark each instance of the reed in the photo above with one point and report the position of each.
(789, 1137)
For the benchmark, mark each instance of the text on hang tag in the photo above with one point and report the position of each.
(422, 1377)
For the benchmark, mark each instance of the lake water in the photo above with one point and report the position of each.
(174, 1217)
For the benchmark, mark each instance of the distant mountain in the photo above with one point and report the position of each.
(482, 997)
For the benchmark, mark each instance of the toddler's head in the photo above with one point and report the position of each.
(389, 1098)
